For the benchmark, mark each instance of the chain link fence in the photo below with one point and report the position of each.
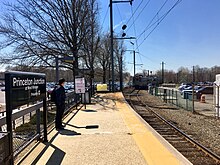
(174, 97)
(217, 100)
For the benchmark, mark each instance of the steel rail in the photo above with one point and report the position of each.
(208, 151)
(187, 137)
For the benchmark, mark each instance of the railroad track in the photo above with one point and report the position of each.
(191, 149)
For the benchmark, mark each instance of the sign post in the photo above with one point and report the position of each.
(80, 87)
(22, 88)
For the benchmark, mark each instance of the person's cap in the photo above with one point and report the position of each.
(61, 81)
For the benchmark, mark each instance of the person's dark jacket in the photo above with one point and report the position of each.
(60, 96)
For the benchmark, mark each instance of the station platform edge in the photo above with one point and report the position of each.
(122, 137)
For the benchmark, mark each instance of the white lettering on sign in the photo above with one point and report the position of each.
(17, 82)
(39, 81)
(34, 94)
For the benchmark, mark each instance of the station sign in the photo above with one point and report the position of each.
(80, 85)
(24, 87)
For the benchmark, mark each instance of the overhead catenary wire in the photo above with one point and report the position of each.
(136, 41)
(105, 17)
(159, 21)
(154, 62)
(148, 58)
(139, 14)
(119, 12)
(135, 11)
(133, 24)
(149, 24)
(135, 33)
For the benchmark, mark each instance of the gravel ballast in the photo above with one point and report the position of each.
(204, 129)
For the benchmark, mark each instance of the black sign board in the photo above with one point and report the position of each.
(22, 88)
(25, 87)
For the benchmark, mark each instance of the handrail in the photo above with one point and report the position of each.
(20, 113)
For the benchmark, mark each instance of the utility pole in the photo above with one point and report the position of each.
(121, 72)
(162, 72)
(109, 75)
(134, 62)
(111, 36)
(193, 79)
(111, 47)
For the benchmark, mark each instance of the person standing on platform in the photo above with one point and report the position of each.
(60, 104)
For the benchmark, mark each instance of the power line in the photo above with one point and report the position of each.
(105, 16)
(138, 15)
(119, 12)
(147, 58)
(135, 11)
(160, 20)
(153, 19)
(135, 33)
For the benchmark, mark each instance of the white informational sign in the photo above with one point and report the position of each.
(217, 79)
(217, 95)
(80, 85)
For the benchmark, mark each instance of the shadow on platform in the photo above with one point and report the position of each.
(89, 110)
(86, 127)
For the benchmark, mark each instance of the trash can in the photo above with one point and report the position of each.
(4, 149)
(86, 97)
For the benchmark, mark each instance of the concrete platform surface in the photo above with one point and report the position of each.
(107, 132)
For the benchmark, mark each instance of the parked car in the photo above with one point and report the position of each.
(205, 90)
(198, 91)
(186, 89)
(184, 86)
(189, 89)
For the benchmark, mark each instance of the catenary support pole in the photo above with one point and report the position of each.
(134, 63)
(111, 45)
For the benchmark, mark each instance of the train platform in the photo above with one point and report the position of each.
(107, 132)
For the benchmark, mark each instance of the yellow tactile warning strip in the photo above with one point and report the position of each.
(153, 150)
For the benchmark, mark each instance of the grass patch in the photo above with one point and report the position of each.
(31, 126)
(50, 118)
(25, 128)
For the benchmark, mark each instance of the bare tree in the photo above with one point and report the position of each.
(103, 57)
(38, 31)
(119, 51)
(91, 41)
